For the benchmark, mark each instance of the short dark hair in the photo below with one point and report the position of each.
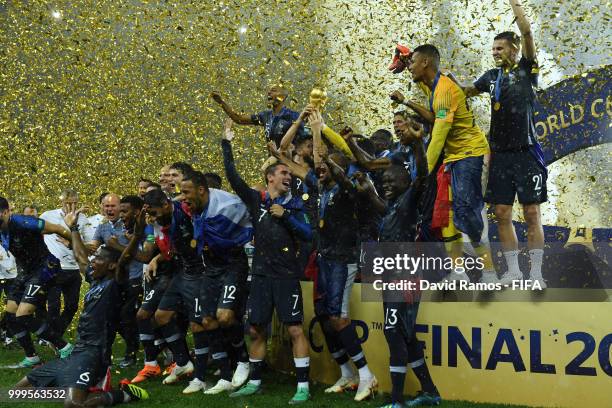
(271, 169)
(431, 52)
(367, 146)
(101, 197)
(4, 204)
(135, 201)
(411, 115)
(340, 159)
(510, 36)
(183, 167)
(145, 180)
(156, 198)
(214, 180)
(197, 178)
(109, 254)
(382, 134)
(301, 140)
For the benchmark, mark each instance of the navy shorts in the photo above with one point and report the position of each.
(82, 369)
(223, 292)
(154, 292)
(334, 285)
(516, 174)
(267, 294)
(401, 316)
(183, 294)
(29, 289)
(466, 186)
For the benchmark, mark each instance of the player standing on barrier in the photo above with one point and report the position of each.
(457, 138)
(276, 121)
(95, 332)
(517, 163)
(280, 221)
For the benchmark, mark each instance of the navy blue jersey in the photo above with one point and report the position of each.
(183, 241)
(24, 239)
(338, 223)
(276, 238)
(512, 124)
(399, 223)
(277, 125)
(99, 317)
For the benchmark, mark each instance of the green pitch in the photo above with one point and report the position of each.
(278, 390)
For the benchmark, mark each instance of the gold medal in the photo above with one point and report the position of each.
(305, 196)
(496, 106)
(321, 223)
(194, 243)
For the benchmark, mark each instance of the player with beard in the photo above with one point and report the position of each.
(280, 222)
(517, 164)
(22, 236)
(221, 228)
(144, 246)
(174, 234)
(337, 257)
(92, 353)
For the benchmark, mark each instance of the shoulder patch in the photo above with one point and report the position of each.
(441, 114)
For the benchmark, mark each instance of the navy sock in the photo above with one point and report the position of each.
(176, 343)
(201, 345)
(348, 337)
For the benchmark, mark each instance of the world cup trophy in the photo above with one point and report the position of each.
(318, 97)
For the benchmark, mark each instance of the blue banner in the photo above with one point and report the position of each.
(574, 114)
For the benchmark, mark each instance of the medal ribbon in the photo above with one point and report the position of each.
(500, 75)
(433, 89)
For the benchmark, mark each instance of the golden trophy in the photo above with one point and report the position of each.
(318, 97)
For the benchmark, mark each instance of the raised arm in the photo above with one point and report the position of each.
(292, 131)
(78, 247)
(316, 123)
(296, 169)
(240, 118)
(131, 252)
(527, 42)
(366, 189)
(339, 175)
(422, 111)
(364, 159)
(249, 196)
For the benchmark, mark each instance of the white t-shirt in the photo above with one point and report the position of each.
(58, 249)
(91, 226)
(8, 267)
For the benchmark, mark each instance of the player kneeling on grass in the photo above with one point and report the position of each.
(91, 356)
